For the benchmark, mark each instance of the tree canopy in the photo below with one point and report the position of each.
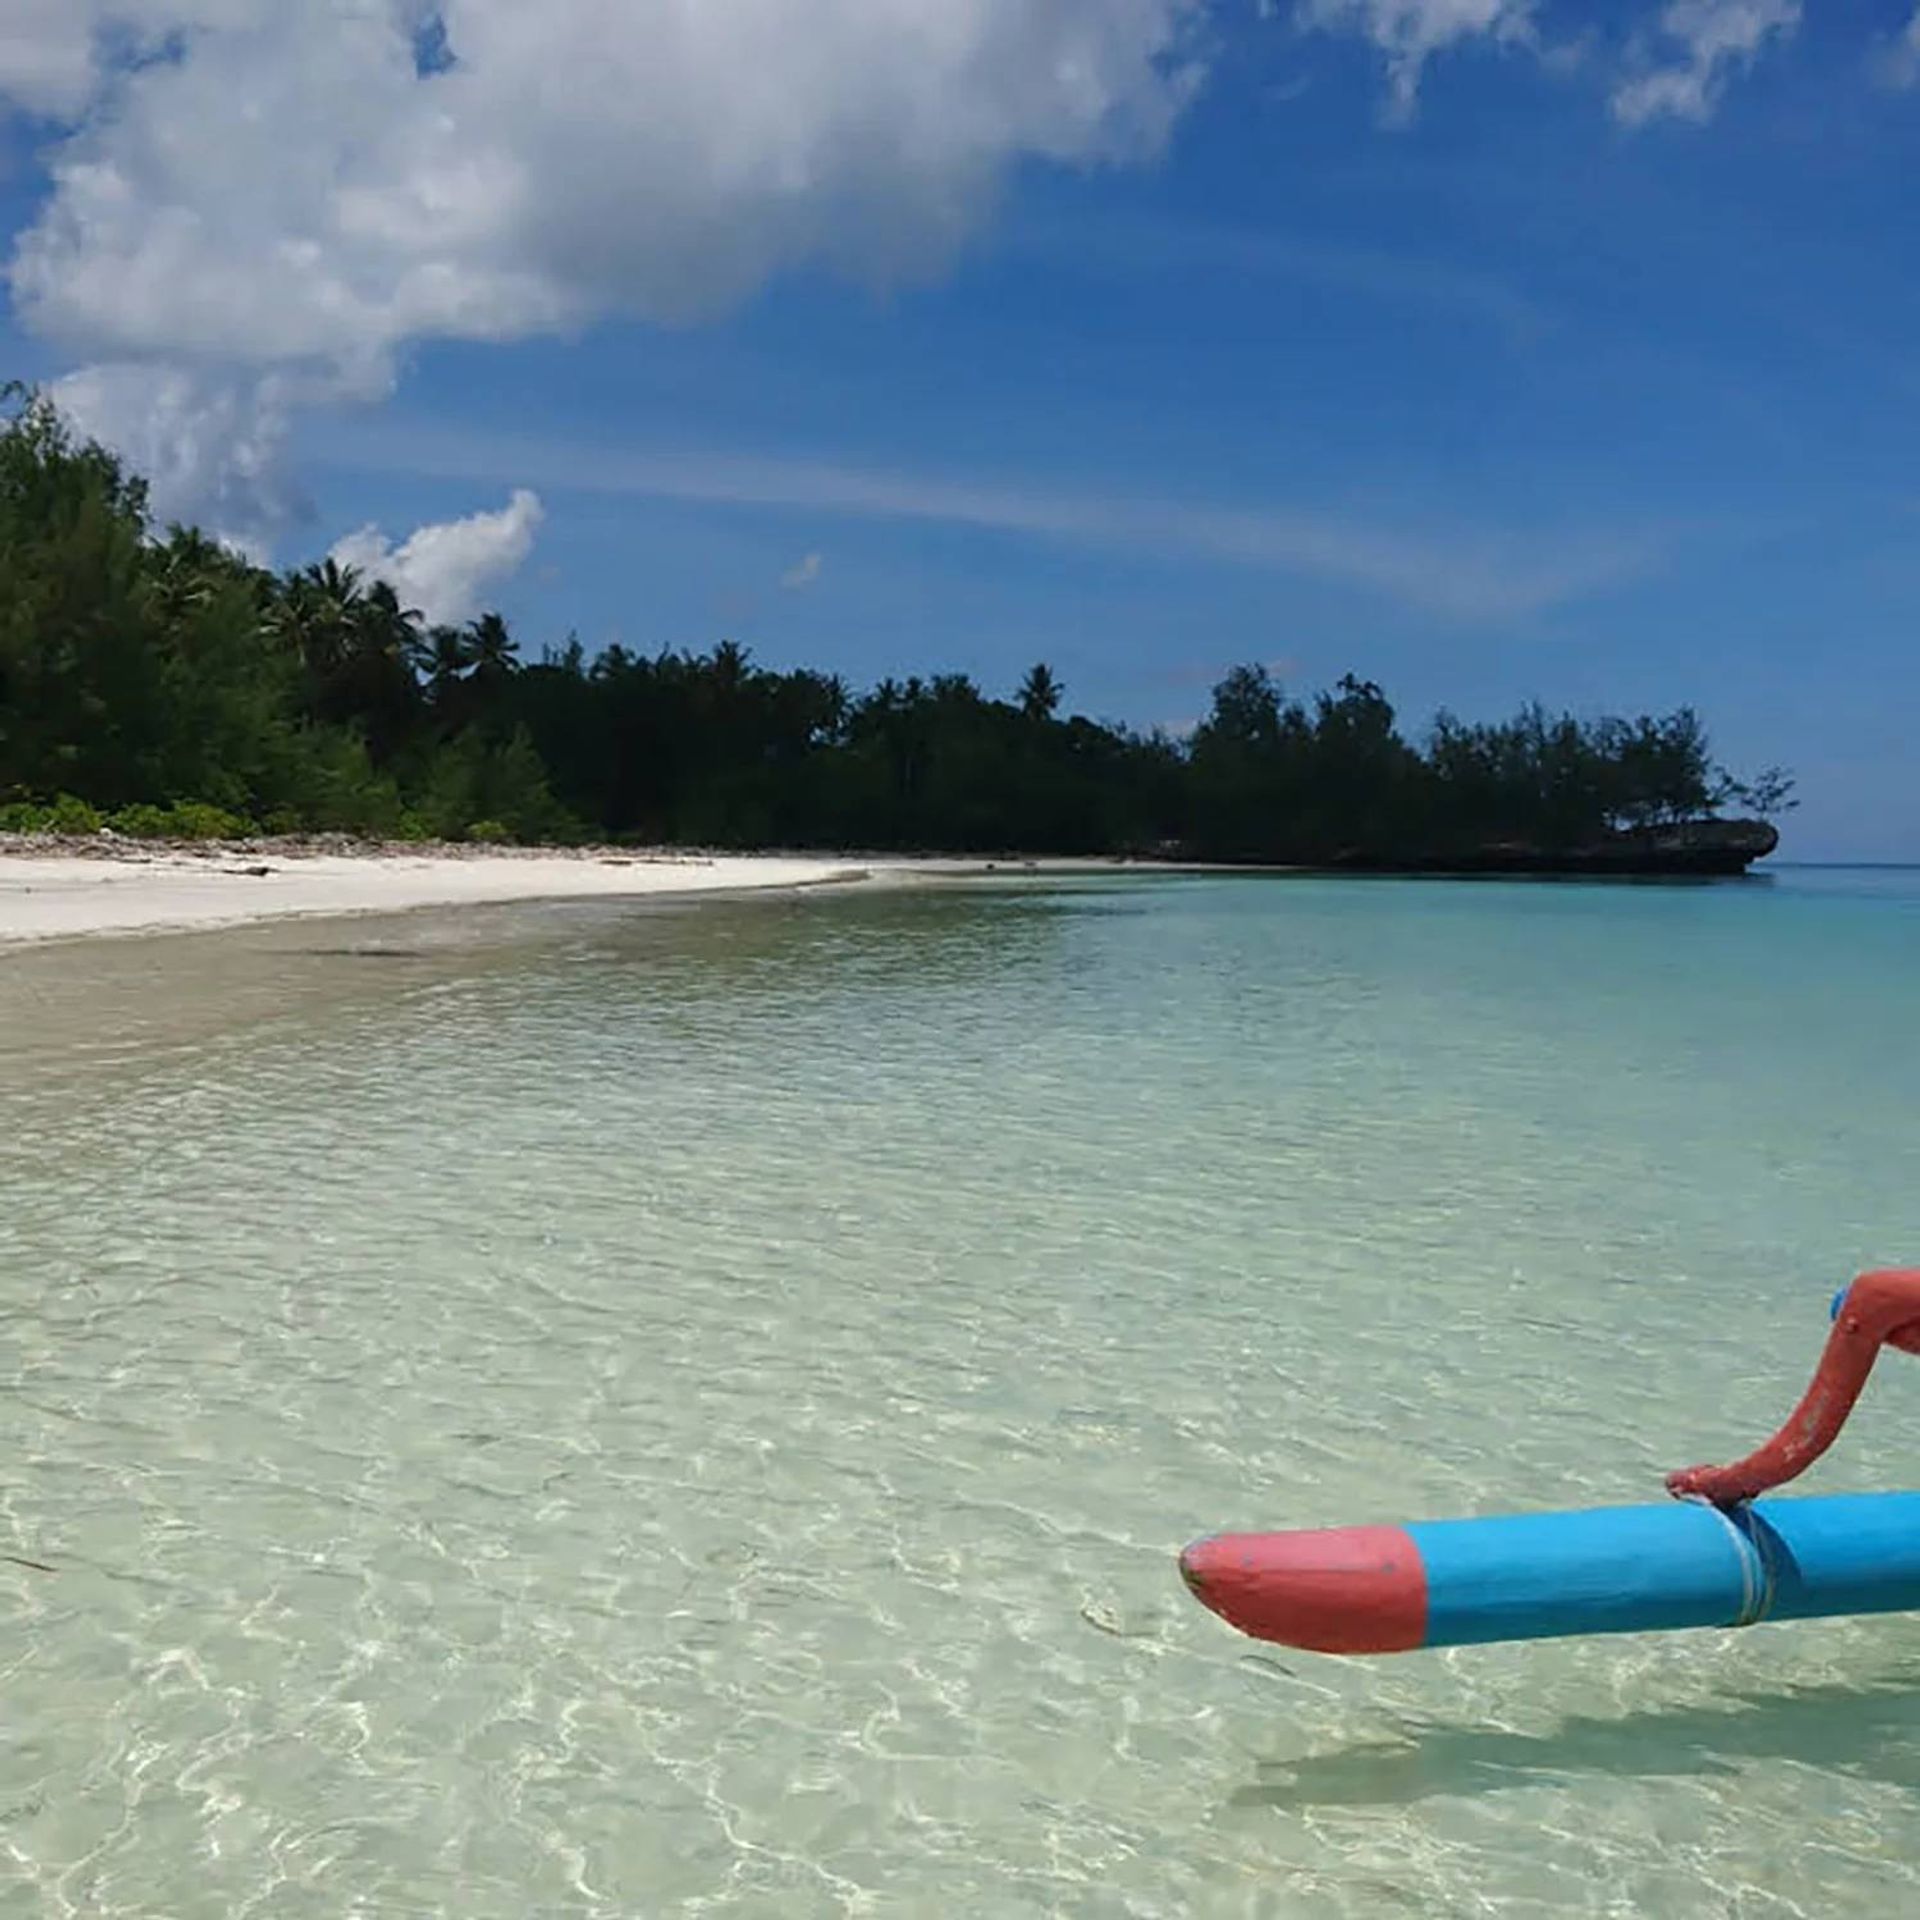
(153, 679)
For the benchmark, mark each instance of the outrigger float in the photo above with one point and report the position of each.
(1714, 1556)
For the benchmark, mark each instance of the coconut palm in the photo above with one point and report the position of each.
(1040, 693)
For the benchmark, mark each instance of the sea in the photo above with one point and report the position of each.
(651, 1410)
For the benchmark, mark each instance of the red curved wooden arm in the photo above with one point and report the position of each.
(1880, 1309)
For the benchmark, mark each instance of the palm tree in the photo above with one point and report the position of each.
(188, 569)
(388, 633)
(491, 648)
(1040, 693)
(314, 613)
(449, 659)
(361, 650)
(833, 707)
(489, 657)
(729, 667)
(381, 684)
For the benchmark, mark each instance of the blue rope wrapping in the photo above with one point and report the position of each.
(1759, 1575)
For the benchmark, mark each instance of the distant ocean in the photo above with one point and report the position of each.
(695, 1411)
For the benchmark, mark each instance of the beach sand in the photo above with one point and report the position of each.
(53, 891)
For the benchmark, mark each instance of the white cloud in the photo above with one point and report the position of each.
(46, 55)
(287, 196)
(208, 445)
(54, 54)
(1713, 39)
(1455, 571)
(1900, 66)
(444, 570)
(1410, 32)
(804, 574)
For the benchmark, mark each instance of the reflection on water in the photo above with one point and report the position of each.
(626, 1412)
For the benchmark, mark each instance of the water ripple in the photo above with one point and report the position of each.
(694, 1413)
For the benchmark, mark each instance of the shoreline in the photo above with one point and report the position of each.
(61, 890)
(55, 889)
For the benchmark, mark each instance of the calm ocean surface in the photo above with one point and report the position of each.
(694, 1412)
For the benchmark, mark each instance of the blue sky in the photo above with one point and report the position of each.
(1503, 399)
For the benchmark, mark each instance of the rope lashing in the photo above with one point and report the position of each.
(1758, 1553)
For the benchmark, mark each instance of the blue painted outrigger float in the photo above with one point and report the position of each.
(1715, 1556)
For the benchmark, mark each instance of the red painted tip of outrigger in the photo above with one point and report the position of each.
(1341, 1590)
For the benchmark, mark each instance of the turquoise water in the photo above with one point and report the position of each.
(621, 1413)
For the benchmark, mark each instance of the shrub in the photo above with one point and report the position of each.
(141, 823)
(184, 820)
(68, 815)
(195, 820)
(490, 832)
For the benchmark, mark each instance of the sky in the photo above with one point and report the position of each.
(1496, 350)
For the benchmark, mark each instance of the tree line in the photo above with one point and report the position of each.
(156, 682)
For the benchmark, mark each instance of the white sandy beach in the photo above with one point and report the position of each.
(52, 894)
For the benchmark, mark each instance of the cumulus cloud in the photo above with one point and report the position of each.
(804, 573)
(209, 446)
(1410, 32)
(279, 206)
(444, 570)
(55, 54)
(46, 56)
(1712, 39)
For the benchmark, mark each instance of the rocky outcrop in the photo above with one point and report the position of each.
(1695, 848)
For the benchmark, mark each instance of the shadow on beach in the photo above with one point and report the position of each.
(1869, 1732)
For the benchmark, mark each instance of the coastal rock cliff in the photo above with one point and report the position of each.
(1691, 848)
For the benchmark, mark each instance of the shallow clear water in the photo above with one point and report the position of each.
(692, 1412)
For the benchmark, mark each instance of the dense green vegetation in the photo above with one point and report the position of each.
(159, 684)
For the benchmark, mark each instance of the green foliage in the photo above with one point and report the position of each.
(173, 688)
(1040, 694)
(1562, 782)
(68, 815)
(473, 783)
(143, 822)
(184, 820)
(1768, 795)
(63, 814)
